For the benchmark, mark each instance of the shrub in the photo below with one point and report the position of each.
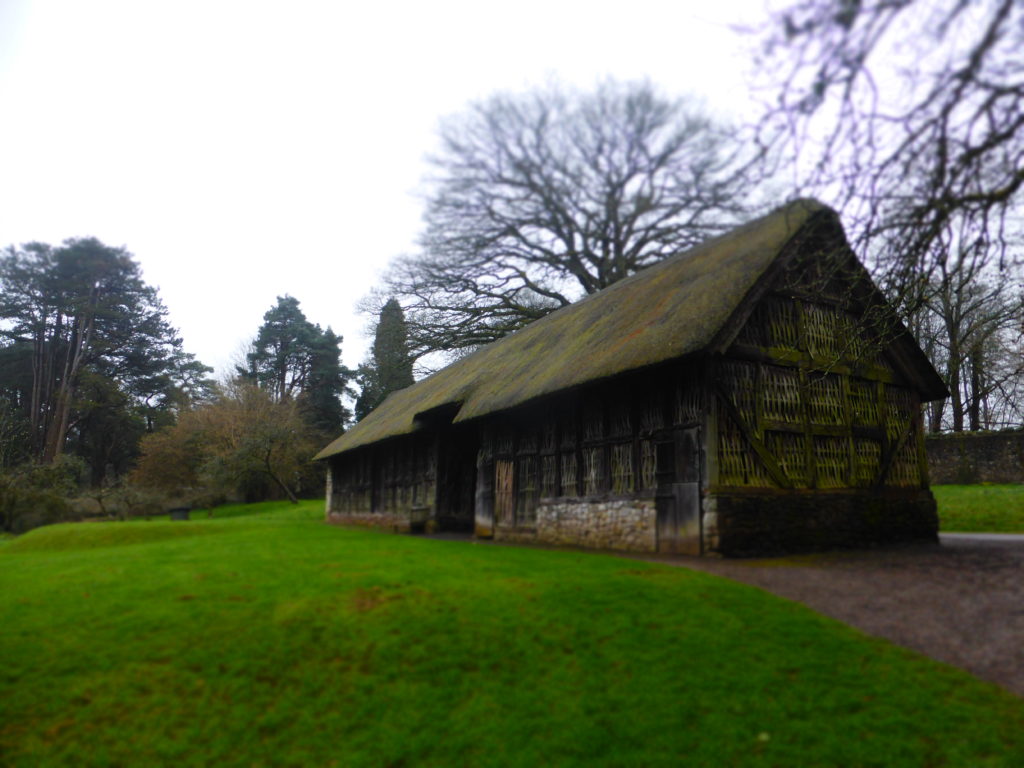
(24, 508)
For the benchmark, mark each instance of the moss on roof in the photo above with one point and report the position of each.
(671, 309)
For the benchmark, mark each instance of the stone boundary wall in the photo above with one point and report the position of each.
(623, 524)
(970, 457)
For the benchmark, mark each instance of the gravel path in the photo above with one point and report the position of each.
(961, 602)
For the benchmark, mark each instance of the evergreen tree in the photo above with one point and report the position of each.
(282, 352)
(390, 366)
(328, 380)
(85, 345)
(293, 359)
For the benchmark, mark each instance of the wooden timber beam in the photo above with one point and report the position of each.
(890, 455)
(774, 470)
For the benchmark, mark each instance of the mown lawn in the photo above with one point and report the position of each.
(272, 639)
(989, 508)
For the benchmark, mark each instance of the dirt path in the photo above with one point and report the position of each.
(961, 602)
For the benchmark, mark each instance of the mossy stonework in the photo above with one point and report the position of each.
(740, 525)
(781, 413)
(625, 524)
(966, 458)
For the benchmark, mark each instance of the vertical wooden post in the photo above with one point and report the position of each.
(851, 447)
(810, 465)
(710, 473)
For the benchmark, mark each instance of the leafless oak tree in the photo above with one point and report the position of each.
(909, 111)
(908, 115)
(540, 198)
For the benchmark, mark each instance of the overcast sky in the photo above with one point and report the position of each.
(245, 150)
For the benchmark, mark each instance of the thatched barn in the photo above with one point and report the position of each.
(754, 394)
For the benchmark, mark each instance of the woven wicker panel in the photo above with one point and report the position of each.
(788, 450)
(904, 470)
(549, 476)
(737, 378)
(593, 470)
(686, 403)
(850, 335)
(867, 460)
(831, 458)
(526, 509)
(622, 467)
(821, 330)
(648, 465)
(652, 414)
(504, 501)
(899, 410)
(737, 463)
(780, 319)
(569, 474)
(825, 396)
(863, 402)
(780, 394)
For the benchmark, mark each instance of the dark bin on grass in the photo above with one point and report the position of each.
(180, 513)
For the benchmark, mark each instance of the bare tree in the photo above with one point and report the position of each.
(543, 197)
(971, 330)
(908, 115)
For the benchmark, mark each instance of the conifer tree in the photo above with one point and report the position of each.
(293, 359)
(390, 365)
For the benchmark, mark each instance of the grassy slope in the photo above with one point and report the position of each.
(275, 640)
(990, 508)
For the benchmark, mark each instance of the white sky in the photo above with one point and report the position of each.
(244, 150)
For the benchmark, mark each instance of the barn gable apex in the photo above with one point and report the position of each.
(695, 302)
(844, 315)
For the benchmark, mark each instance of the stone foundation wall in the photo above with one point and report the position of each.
(622, 524)
(392, 522)
(745, 525)
(969, 457)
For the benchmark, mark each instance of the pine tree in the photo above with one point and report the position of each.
(292, 359)
(390, 366)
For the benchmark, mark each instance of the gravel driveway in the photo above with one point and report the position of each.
(961, 602)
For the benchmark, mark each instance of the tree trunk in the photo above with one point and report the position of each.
(273, 476)
(974, 402)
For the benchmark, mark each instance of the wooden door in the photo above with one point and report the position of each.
(504, 496)
(678, 496)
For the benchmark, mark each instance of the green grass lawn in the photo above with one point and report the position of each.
(272, 639)
(990, 508)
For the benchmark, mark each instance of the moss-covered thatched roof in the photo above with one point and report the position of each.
(674, 308)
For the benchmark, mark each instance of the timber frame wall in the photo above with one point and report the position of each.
(803, 435)
(819, 439)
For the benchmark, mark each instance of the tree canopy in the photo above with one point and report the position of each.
(912, 113)
(909, 117)
(539, 198)
(294, 360)
(87, 352)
